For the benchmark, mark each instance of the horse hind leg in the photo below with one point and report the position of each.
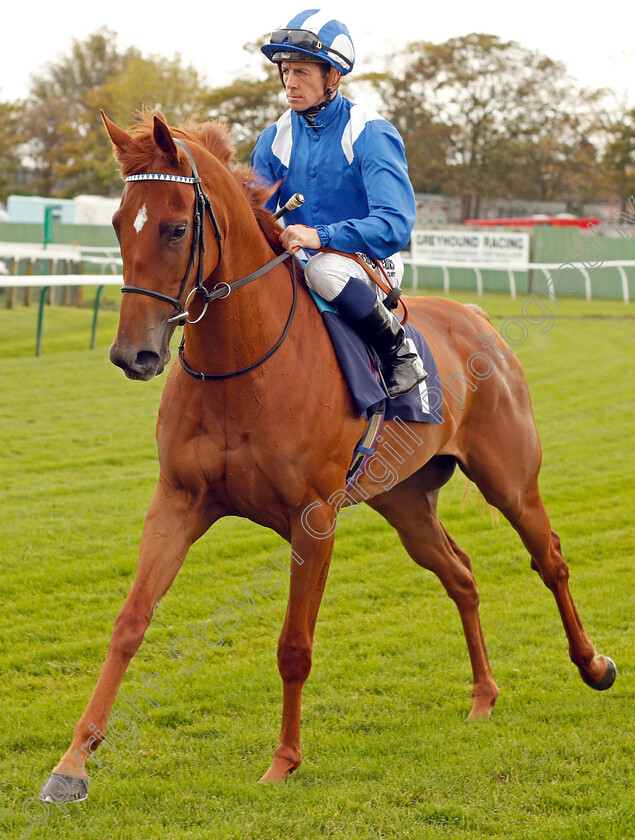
(543, 544)
(512, 487)
(485, 691)
(410, 508)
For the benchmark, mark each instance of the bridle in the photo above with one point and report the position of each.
(202, 207)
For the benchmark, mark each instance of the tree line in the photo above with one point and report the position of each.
(480, 117)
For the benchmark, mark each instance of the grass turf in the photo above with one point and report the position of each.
(386, 750)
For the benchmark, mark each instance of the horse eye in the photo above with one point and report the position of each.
(178, 232)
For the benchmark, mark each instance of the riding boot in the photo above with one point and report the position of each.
(402, 367)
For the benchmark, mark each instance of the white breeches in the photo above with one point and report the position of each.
(328, 274)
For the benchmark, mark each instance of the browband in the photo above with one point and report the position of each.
(155, 176)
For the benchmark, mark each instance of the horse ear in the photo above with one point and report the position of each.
(118, 136)
(165, 141)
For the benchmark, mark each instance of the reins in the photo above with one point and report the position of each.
(214, 295)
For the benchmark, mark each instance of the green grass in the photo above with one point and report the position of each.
(387, 753)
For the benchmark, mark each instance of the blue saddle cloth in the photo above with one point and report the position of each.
(362, 377)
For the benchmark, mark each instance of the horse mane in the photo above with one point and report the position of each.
(213, 136)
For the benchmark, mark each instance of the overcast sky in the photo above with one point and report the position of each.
(595, 41)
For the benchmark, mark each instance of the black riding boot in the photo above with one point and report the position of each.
(402, 367)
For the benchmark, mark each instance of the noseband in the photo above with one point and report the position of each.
(203, 205)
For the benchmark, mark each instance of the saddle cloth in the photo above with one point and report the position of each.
(360, 372)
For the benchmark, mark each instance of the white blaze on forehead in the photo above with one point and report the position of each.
(142, 218)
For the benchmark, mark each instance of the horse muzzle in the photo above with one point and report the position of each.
(142, 364)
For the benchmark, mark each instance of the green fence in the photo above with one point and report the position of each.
(557, 245)
(96, 236)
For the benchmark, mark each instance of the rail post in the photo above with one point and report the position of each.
(93, 334)
(40, 319)
(103, 269)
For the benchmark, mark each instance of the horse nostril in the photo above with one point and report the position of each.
(137, 364)
(146, 361)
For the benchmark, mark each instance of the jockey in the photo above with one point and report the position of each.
(350, 165)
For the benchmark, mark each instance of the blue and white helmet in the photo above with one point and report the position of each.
(313, 35)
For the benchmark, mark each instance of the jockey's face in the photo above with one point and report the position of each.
(304, 83)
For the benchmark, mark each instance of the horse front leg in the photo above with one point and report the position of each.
(173, 522)
(310, 560)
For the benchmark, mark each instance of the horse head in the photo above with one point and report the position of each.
(160, 226)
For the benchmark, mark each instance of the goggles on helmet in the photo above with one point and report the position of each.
(305, 40)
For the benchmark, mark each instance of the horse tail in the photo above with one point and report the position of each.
(479, 311)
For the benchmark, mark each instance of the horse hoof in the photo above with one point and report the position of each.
(280, 770)
(609, 676)
(62, 788)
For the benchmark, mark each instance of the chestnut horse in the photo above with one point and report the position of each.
(273, 443)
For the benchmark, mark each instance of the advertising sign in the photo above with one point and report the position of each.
(469, 246)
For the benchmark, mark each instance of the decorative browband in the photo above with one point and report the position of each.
(181, 179)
